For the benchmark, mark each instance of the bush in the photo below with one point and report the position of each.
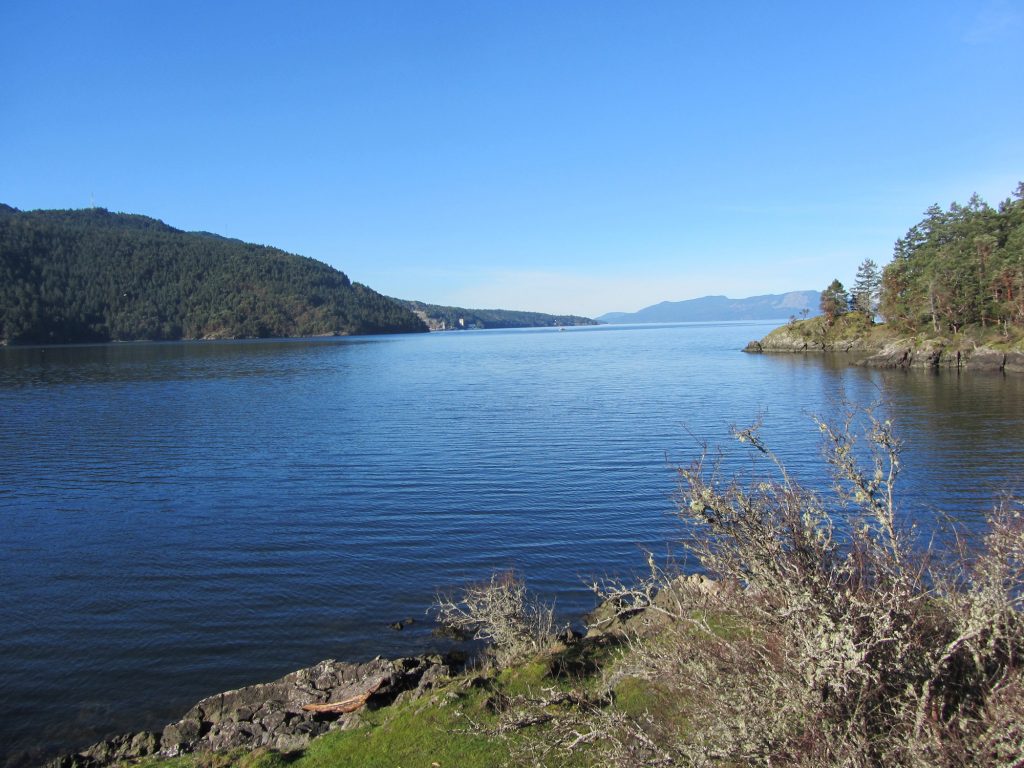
(859, 646)
(502, 613)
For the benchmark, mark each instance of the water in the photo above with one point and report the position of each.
(179, 519)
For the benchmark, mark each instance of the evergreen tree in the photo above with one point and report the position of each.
(834, 301)
(959, 267)
(866, 288)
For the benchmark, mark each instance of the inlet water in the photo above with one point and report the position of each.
(179, 519)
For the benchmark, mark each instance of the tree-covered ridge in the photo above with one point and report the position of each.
(441, 318)
(959, 267)
(91, 275)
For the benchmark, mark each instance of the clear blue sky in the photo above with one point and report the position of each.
(557, 156)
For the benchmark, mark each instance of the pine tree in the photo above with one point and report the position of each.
(834, 301)
(866, 288)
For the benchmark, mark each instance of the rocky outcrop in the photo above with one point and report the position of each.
(782, 340)
(272, 715)
(907, 353)
(1014, 362)
(877, 349)
(126, 746)
(798, 339)
(937, 354)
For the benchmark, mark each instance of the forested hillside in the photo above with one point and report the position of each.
(959, 267)
(441, 318)
(92, 275)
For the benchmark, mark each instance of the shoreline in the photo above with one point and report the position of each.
(283, 715)
(876, 346)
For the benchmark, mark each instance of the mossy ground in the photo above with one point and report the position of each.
(463, 722)
(456, 724)
(852, 326)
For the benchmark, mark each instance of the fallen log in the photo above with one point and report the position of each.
(339, 707)
(345, 706)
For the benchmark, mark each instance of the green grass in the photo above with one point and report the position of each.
(259, 758)
(451, 726)
(414, 735)
(457, 724)
(525, 679)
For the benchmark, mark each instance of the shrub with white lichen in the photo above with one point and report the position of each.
(829, 634)
(833, 638)
(501, 612)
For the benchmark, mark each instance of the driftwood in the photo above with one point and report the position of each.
(345, 706)
(339, 707)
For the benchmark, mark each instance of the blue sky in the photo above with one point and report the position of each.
(576, 157)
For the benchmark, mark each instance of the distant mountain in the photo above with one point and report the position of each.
(442, 318)
(711, 308)
(91, 275)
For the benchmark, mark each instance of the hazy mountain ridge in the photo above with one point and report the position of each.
(772, 306)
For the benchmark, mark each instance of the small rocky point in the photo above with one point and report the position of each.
(271, 715)
(879, 351)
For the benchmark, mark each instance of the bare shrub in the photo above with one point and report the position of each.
(835, 638)
(502, 613)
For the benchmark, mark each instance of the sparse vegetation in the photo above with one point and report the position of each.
(501, 612)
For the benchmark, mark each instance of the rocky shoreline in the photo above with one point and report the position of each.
(287, 714)
(284, 715)
(880, 349)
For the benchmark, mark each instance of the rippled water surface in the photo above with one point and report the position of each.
(178, 519)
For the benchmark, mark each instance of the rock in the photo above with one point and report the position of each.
(126, 746)
(929, 354)
(1013, 362)
(985, 359)
(895, 355)
(270, 714)
(182, 734)
(785, 339)
(935, 354)
(700, 583)
(609, 618)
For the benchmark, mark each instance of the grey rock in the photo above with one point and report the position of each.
(271, 714)
(126, 746)
(985, 360)
(1014, 362)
